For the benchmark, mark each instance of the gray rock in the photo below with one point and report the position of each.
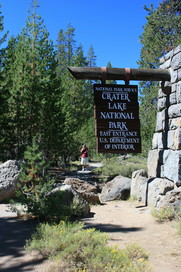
(178, 92)
(118, 188)
(155, 160)
(139, 178)
(176, 62)
(174, 123)
(177, 49)
(174, 111)
(174, 75)
(156, 188)
(161, 104)
(174, 139)
(166, 64)
(179, 74)
(9, 172)
(172, 99)
(72, 197)
(159, 140)
(161, 93)
(172, 198)
(160, 121)
(172, 165)
(87, 190)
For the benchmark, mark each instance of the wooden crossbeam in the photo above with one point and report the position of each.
(98, 73)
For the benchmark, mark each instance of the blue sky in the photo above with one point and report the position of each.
(112, 27)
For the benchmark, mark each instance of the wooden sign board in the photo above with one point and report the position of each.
(117, 124)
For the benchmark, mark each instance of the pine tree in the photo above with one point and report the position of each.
(3, 92)
(77, 97)
(33, 85)
(91, 57)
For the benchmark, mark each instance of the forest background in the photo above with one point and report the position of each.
(40, 99)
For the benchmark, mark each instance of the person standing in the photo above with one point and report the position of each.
(84, 157)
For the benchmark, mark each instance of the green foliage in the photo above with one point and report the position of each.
(77, 98)
(166, 214)
(79, 249)
(32, 88)
(35, 190)
(114, 167)
(35, 183)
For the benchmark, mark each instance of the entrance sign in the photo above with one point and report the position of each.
(117, 124)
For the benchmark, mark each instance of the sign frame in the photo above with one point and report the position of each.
(116, 112)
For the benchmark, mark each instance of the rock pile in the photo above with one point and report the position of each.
(162, 186)
(164, 159)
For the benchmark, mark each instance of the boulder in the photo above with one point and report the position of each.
(157, 188)
(118, 188)
(9, 172)
(155, 160)
(172, 198)
(139, 178)
(87, 190)
(80, 207)
(172, 166)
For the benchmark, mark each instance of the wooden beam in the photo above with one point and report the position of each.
(95, 73)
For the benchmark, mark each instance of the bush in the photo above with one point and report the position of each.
(35, 187)
(166, 214)
(76, 249)
(114, 167)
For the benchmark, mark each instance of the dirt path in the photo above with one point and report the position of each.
(128, 222)
(13, 235)
(125, 222)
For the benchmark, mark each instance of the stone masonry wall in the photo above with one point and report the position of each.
(164, 160)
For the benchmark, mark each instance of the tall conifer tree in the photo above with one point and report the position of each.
(33, 86)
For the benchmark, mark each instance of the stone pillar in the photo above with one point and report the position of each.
(164, 160)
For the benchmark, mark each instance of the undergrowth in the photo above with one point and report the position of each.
(166, 214)
(114, 166)
(72, 248)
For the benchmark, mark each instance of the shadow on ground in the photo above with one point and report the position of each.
(13, 235)
(111, 228)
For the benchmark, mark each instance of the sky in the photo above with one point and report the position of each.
(112, 27)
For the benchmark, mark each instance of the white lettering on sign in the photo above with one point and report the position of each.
(103, 140)
(117, 106)
(124, 133)
(133, 90)
(124, 140)
(118, 125)
(105, 133)
(122, 146)
(109, 89)
(116, 89)
(115, 96)
(116, 115)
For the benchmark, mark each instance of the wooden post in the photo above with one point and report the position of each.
(95, 73)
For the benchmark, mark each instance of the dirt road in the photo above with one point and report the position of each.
(128, 222)
(125, 222)
(13, 235)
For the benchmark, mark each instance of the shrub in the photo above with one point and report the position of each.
(113, 167)
(166, 214)
(76, 249)
(33, 191)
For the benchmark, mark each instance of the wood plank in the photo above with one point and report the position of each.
(95, 73)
